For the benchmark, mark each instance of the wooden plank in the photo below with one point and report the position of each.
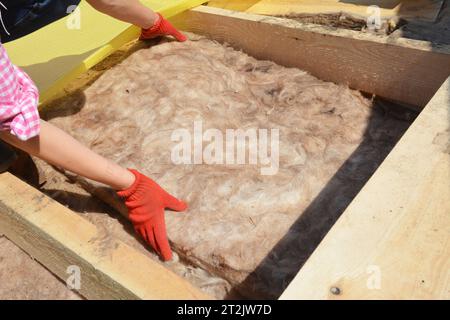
(59, 238)
(425, 10)
(393, 241)
(404, 70)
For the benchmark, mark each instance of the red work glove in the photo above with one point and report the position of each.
(162, 27)
(146, 202)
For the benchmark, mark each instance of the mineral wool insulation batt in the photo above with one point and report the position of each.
(253, 220)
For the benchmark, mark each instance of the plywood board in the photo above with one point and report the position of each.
(427, 10)
(57, 53)
(393, 241)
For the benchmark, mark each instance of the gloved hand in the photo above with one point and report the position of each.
(146, 202)
(162, 27)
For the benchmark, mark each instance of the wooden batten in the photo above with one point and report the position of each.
(58, 238)
(393, 240)
(408, 71)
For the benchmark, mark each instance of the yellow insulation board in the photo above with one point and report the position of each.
(59, 52)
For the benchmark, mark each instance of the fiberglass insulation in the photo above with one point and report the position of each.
(253, 230)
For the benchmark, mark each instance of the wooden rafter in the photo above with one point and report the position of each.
(393, 241)
(404, 70)
(58, 238)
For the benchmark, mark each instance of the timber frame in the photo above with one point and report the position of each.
(391, 242)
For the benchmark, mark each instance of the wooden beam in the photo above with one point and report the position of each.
(393, 240)
(59, 238)
(425, 10)
(408, 71)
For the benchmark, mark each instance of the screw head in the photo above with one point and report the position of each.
(335, 290)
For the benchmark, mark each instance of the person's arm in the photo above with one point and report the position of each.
(144, 198)
(133, 11)
(58, 148)
(21, 126)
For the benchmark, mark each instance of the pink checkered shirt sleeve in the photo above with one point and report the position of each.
(19, 99)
